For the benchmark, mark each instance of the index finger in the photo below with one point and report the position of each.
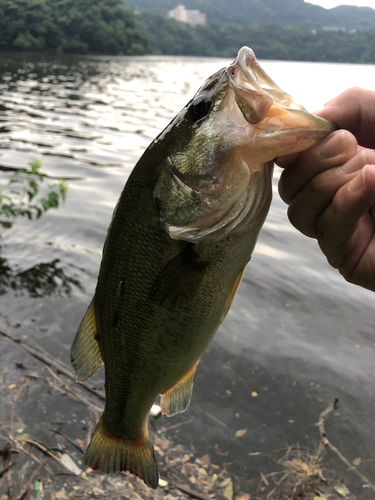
(285, 161)
(353, 110)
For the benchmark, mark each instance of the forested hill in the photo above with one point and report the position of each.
(284, 13)
(275, 29)
(83, 26)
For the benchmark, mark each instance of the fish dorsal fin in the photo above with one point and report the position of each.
(178, 282)
(232, 293)
(85, 355)
(177, 399)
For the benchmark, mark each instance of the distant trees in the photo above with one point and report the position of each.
(99, 26)
(109, 27)
(285, 13)
(171, 37)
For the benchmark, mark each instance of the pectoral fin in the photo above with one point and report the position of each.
(177, 399)
(178, 283)
(85, 355)
(233, 291)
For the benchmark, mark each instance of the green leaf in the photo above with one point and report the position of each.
(34, 188)
(53, 200)
(9, 210)
(13, 202)
(63, 189)
(35, 166)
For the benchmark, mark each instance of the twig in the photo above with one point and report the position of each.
(18, 444)
(326, 442)
(26, 489)
(186, 489)
(4, 471)
(170, 427)
(17, 395)
(50, 362)
(264, 479)
(212, 417)
(70, 392)
(45, 450)
(41, 447)
(68, 439)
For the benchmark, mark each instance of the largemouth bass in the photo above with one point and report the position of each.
(180, 237)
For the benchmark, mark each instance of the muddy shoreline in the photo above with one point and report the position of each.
(46, 421)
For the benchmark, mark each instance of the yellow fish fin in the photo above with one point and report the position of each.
(178, 282)
(85, 355)
(232, 293)
(108, 454)
(177, 399)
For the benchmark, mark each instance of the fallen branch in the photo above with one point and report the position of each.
(68, 439)
(47, 360)
(71, 393)
(212, 417)
(4, 471)
(30, 482)
(186, 489)
(325, 442)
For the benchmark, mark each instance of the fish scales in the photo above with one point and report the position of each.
(180, 238)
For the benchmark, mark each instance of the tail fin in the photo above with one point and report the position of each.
(109, 454)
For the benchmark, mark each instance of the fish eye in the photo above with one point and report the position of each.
(200, 108)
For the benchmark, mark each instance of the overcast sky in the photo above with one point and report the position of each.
(334, 3)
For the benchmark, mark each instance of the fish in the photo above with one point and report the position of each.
(180, 238)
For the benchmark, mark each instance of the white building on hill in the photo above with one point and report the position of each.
(188, 16)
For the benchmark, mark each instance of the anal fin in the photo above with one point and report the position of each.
(177, 399)
(85, 355)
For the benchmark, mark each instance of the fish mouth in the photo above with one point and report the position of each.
(256, 93)
(223, 180)
(273, 112)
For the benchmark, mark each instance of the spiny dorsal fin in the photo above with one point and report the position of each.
(177, 399)
(179, 281)
(85, 356)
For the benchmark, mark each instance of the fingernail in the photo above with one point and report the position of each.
(359, 180)
(333, 145)
(354, 164)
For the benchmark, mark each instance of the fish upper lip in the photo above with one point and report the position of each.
(245, 54)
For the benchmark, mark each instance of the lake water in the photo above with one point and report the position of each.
(297, 335)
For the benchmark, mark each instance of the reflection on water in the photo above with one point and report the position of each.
(77, 108)
(297, 335)
(40, 280)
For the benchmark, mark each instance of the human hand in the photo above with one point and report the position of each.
(330, 188)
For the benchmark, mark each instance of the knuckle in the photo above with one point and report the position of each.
(316, 186)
